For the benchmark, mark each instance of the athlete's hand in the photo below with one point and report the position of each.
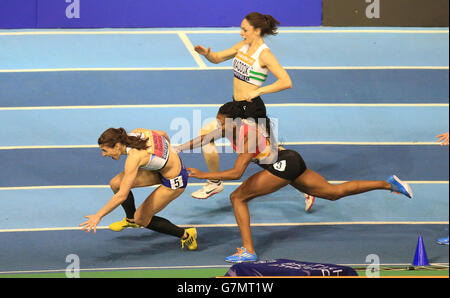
(91, 223)
(202, 51)
(195, 173)
(251, 95)
(443, 139)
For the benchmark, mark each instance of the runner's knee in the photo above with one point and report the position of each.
(140, 220)
(115, 183)
(238, 196)
(335, 194)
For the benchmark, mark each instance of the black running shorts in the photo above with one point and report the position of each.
(254, 109)
(289, 165)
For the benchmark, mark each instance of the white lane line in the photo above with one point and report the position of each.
(212, 31)
(205, 67)
(228, 145)
(187, 43)
(155, 106)
(444, 265)
(253, 225)
(48, 147)
(154, 186)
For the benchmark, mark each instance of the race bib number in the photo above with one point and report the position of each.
(280, 166)
(176, 182)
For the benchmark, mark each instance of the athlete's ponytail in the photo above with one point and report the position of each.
(267, 23)
(112, 136)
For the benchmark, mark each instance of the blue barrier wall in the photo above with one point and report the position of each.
(152, 13)
(18, 13)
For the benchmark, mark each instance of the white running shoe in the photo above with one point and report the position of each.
(208, 190)
(309, 202)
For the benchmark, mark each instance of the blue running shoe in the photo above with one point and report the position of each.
(443, 241)
(242, 256)
(398, 186)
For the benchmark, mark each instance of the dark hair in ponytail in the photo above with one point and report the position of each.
(112, 136)
(267, 23)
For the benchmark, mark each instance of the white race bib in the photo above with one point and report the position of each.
(280, 166)
(176, 182)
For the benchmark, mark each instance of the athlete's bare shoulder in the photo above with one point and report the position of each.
(239, 45)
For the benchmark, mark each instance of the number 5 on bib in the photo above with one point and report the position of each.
(176, 182)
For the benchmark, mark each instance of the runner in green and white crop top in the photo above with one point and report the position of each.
(247, 68)
(250, 74)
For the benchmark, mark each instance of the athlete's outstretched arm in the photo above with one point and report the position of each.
(201, 140)
(130, 173)
(443, 139)
(237, 171)
(218, 57)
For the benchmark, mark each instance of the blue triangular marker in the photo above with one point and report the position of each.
(420, 258)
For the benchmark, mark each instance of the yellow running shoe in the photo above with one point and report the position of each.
(190, 241)
(120, 225)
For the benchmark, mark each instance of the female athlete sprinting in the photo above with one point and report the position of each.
(280, 167)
